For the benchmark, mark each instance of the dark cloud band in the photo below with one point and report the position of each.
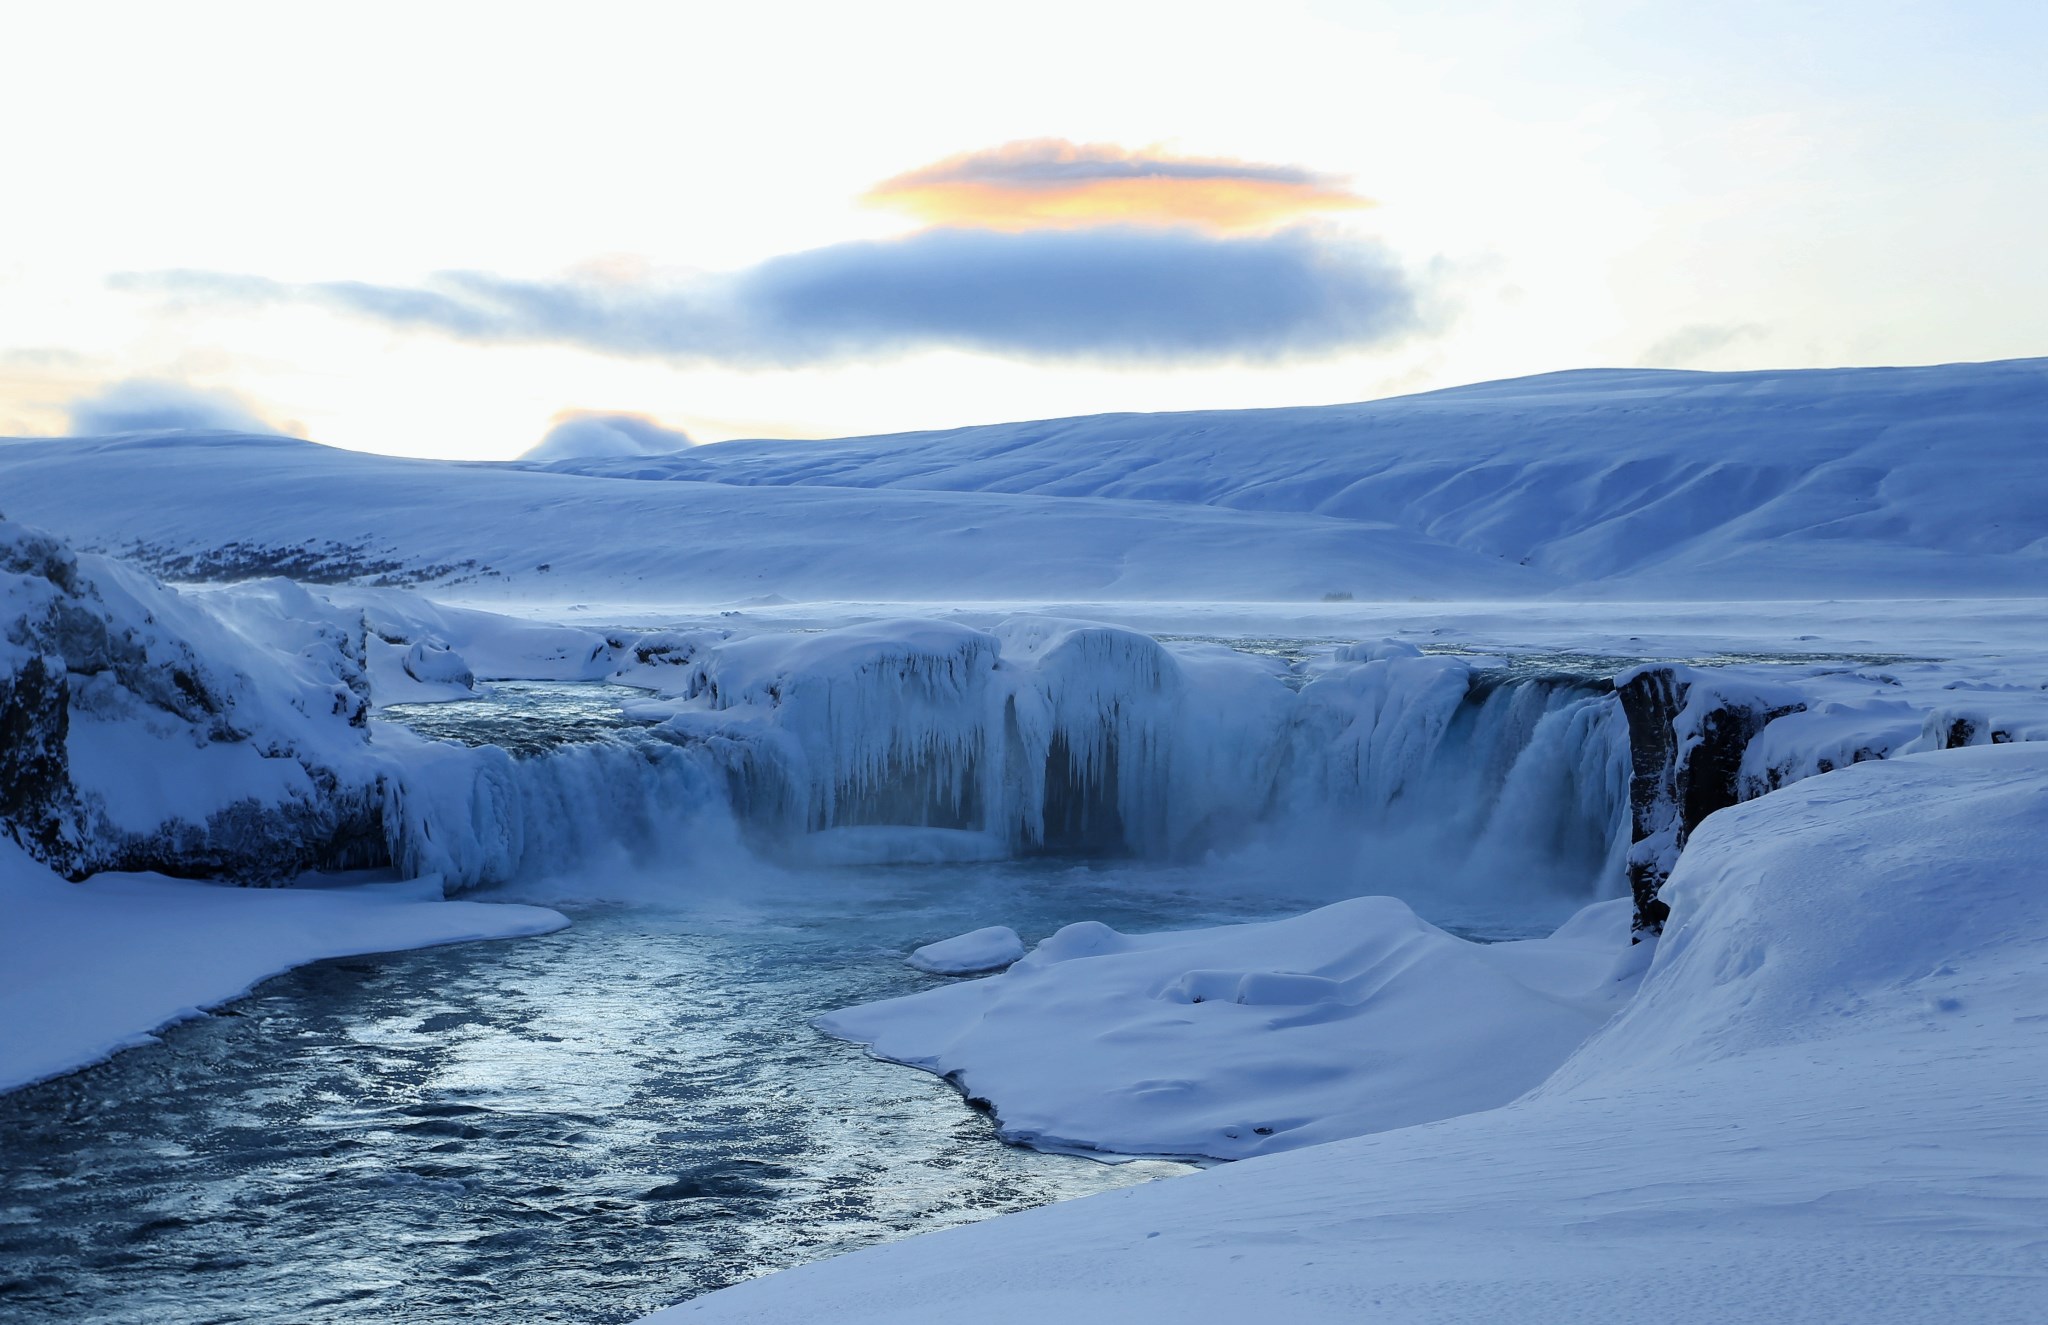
(1099, 293)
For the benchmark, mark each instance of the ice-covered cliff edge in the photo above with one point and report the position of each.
(225, 734)
(146, 731)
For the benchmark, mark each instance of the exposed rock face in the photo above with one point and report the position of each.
(1686, 730)
(37, 806)
(99, 659)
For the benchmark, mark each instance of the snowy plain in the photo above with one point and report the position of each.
(1373, 647)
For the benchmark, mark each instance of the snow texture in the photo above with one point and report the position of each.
(1822, 1104)
(1908, 482)
(974, 953)
(1251, 1039)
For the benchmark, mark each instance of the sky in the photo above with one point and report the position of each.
(466, 230)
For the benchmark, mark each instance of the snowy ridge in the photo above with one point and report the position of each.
(1758, 484)
(1911, 482)
(251, 506)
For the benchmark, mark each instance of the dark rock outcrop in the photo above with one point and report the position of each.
(76, 650)
(1686, 731)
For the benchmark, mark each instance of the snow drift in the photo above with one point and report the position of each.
(1821, 1101)
(1250, 1039)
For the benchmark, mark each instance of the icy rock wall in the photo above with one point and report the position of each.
(145, 730)
(1688, 733)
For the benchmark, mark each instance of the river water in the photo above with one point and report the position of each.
(580, 1127)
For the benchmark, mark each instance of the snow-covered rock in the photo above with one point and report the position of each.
(976, 952)
(1688, 732)
(146, 731)
(1250, 1039)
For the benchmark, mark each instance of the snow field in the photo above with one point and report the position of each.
(1620, 485)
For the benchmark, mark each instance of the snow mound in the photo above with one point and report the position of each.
(973, 953)
(1879, 899)
(1823, 1102)
(1248, 1039)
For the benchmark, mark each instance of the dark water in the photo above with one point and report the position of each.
(580, 1127)
(525, 717)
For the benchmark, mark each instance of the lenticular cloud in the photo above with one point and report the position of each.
(1049, 182)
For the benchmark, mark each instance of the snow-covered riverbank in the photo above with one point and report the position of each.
(88, 969)
(1823, 1105)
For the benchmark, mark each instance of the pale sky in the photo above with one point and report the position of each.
(438, 229)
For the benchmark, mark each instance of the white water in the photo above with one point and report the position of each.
(1375, 770)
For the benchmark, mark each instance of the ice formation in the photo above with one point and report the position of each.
(227, 732)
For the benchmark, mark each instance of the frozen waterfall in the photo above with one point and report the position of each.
(908, 741)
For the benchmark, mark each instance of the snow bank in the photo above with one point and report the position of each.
(1822, 1104)
(973, 953)
(88, 969)
(1879, 900)
(1249, 1039)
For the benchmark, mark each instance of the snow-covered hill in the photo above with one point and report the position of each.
(1862, 483)
(1905, 480)
(231, 507)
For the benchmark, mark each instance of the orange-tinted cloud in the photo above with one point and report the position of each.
(1049, 183)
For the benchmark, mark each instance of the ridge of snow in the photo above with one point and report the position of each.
(1908, 482)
